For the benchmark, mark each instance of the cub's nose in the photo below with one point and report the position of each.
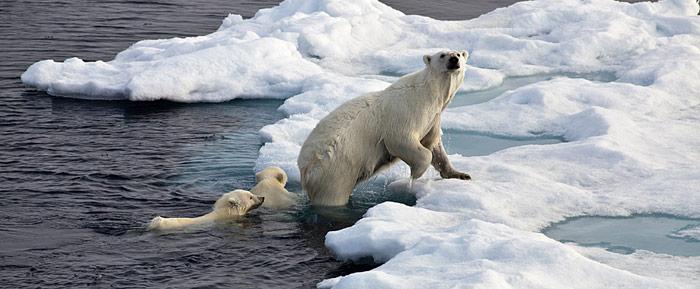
(454, 59)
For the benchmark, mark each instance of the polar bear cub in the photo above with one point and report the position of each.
(270, 185)
(229, 206)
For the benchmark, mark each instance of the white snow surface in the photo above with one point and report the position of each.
(632, 144)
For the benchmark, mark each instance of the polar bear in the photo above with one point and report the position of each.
(270, 185)
(229, 206)
(368, 133)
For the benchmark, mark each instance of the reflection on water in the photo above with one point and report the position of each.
(656, 233)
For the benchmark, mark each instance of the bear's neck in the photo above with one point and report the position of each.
(440, 86)
(445, 83)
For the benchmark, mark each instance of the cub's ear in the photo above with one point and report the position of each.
(426, 59)
(282, 178)
(234, 203)
(465, 54)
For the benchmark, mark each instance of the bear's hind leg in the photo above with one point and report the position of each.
(330, 195)
(329, 189)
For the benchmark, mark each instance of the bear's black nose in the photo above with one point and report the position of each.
(454, 59)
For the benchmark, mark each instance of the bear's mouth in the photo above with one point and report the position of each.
(453, 66)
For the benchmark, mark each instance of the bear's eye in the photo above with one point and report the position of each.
(251, 197)
(442, 55)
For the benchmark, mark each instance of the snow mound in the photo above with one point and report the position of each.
(215, 69)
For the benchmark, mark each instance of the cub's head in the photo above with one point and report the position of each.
(272, 173)
(447, 61)
(237, 203)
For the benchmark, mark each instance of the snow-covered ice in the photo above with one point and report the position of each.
(631, 143)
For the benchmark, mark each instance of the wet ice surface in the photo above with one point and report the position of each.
(657, 233)
(475, 144)
(463, 98)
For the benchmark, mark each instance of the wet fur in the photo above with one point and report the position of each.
(270, 184)
(230, 205)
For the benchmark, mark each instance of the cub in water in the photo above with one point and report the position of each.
(229, 206)
(270, 185)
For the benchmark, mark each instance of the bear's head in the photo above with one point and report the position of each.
(272, 173)
(237, 203)
(447, 61)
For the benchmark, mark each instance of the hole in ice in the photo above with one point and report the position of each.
(476, 144)
(365, 195)
(463, 98)
(657, 233)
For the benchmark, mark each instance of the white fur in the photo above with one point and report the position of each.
(229, 206)
(270, 185)
(369, 132)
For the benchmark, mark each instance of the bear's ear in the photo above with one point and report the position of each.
(234, 203)
(426, 59)
(465, 54)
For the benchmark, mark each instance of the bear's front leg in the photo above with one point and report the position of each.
(412, 152)
(442, 164)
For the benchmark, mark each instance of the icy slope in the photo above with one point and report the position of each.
(632, 144)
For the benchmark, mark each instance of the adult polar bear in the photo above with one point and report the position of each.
(369, 132)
